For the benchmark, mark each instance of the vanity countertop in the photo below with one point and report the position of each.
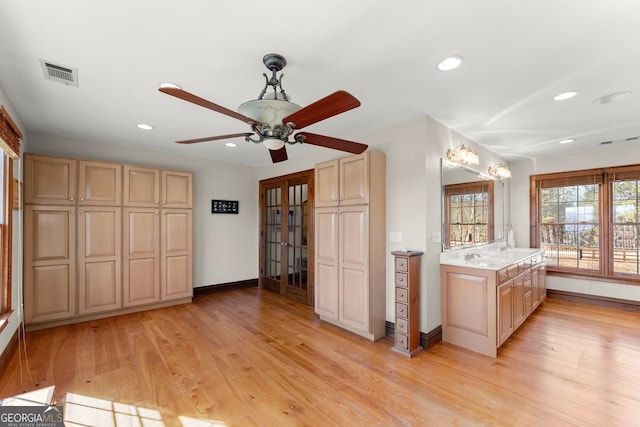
(487, 258)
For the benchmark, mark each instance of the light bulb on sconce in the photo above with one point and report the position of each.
(500, 171)
(464, 155)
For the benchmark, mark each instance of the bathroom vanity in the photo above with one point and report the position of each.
(486, 294)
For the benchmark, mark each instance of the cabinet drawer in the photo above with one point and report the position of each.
(402, 342)
(402, 264)
(402, 326)
(402, 279)
(507, 273)
(402, 310)
(402, 295)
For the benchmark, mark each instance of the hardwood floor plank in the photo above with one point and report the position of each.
(252, 358)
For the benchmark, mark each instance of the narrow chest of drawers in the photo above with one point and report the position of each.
(407, 302)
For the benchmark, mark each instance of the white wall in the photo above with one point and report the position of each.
(613, 155)
(16, 266)
(225, 247)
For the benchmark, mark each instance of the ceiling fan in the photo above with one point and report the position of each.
(274, 119)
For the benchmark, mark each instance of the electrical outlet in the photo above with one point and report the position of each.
(395, 236)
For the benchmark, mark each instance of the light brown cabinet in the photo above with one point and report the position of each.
(50, 180)
(407, 302)
(99, 258)
(141, 256)
(49, 263)
(481, 308)
(83, 259)
(350, 243)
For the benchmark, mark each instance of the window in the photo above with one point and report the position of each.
(469, 213)
(588, 222)
(10, 149)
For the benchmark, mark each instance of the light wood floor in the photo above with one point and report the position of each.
(252, 358)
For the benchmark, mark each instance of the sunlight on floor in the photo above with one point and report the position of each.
(85, 411)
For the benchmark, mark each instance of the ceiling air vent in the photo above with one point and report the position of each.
(59, 73)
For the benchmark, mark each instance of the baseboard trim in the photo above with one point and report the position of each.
(8, 352)
(427, 339)
(619, 304)
(210, 289)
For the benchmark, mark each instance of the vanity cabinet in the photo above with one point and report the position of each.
(482, 307)
(350, 239)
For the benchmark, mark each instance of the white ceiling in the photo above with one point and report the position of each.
(518, 55)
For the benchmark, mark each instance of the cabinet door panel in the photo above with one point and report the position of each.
(141, 258)
(505, 311)
(99, 259)
(49, 263)
(176, 254)
(354, 298)
(177, 189)
(99, 183)
(354, 180)
(326, 184)
(49, 180)
(326, 253)
(354, 236)
(141, 186)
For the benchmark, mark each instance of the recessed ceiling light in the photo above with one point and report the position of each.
(566, 141)
(144, 126)
(450, 63)
(231, 144)
(613, 97)
(565, 95)
(164, 85)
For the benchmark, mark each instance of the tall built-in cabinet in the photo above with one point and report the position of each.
(103, 238)
(350, 223)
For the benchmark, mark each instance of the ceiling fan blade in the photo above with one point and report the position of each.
(279, 155)
(189, 97)
(329, 106)
(213, 138)
(330, 142)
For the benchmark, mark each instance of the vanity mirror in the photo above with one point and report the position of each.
(472, 207)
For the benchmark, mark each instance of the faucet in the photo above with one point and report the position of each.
(470, 256)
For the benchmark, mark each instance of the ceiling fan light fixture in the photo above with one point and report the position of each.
(273, 143)
(269, 111)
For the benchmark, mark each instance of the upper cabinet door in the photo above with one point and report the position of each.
(177, 189)
(354, 180)
(99, 183)
(141, 187)
(326, 184)
(49, 180)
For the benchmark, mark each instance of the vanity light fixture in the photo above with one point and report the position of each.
(464, 155)
(500, 171)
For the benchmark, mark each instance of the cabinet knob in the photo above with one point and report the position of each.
(81, 198)
(72, 198)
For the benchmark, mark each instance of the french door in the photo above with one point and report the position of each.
(286, 233)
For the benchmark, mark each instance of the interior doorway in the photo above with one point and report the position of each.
(286, 236)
